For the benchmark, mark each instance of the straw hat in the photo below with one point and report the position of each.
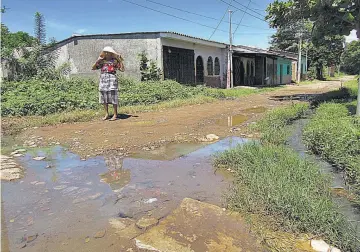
(110, 49)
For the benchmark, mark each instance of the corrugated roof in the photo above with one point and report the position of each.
(74, 36)
(238, 48)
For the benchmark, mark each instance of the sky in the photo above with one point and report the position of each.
(67, 17)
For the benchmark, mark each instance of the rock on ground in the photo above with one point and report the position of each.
(199, 226)
(9, 169)
(146, 222)
(322, 246)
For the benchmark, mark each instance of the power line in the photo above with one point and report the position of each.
(250, 9)
(243, 11)
(168, 14)
(197, 14)
(241, 18)
(212, 34)
(184, 19)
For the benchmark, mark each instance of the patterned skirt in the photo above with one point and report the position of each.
(108, 97)
(108, 87)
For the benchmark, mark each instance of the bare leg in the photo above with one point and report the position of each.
(115, 113)
(106, 107)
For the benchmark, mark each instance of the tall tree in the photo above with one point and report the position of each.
(286, 38)
(351, 57)
(330, 17)
(39, 29)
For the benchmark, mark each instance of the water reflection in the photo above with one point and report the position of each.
(116, 177)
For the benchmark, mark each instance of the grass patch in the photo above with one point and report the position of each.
(352, 86)
(273, 180)
(334, 134)
(38, 97)
(273, 126)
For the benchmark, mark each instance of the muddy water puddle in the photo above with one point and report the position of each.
(62, 200)
(232, 120)
(238, 119)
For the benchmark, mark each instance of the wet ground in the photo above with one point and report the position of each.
(181, 124)
(63, 200)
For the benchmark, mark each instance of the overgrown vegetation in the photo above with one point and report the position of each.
(148, 69)
(64, 94)
(273, 126)
(335, 135)
(273, 180)
(351, 57)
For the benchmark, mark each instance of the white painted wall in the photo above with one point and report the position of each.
(201, 50)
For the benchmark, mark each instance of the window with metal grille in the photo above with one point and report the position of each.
(217, 66)
(210, 66)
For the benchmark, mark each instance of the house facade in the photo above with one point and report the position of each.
(183, 58)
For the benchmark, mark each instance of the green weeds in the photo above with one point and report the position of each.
(273, 126)
(273, 180)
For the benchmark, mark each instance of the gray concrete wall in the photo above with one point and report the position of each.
(82, 52)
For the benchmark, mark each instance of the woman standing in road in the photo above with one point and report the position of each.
(109, 61)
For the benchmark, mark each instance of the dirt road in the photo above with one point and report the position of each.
(185, 124)
(65, 203)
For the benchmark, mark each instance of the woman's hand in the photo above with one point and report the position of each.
(98, 62)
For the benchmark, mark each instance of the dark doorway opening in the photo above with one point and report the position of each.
(238, 71)
(199, 70)
(179, 64)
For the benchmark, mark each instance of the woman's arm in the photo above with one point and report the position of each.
(98, 64)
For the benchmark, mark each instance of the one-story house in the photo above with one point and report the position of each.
(184, 58)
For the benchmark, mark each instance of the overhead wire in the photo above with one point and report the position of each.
(226, 11)
(237, 8)
(197, 14)
(241, 18)
(181, 18)
(250, 9)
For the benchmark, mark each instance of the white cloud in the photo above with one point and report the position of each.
(351, 37)
(80, 31)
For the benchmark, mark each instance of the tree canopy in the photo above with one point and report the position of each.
(11, 41)
(351, 58)
(331, 17)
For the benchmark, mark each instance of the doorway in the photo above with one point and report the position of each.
(199, 70)
(281, 73)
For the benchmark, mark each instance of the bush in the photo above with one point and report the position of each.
(273, 126)
(41, 97)
(335, 135)
(274, 180)
(38, 97)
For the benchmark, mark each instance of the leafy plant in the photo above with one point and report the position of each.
(148, 69)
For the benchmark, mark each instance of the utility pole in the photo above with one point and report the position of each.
(229, 79)
(299, 61)
(358, 99)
